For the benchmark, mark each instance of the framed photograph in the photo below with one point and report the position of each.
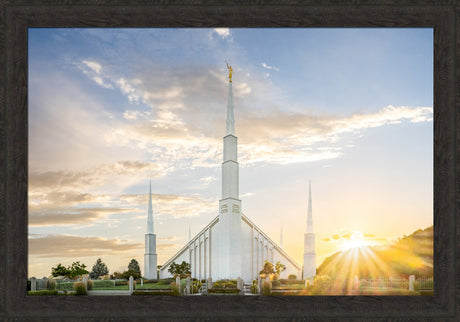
(155, 154)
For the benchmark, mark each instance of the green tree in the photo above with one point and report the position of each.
(77, 269)
(135, 274)
(271, 270)
(279, 268)
(267, 270)
(59, 270)
(99, 269)
(134, 266)
(181, 270)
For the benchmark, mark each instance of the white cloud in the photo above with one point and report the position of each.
(101, 82)
(96, 67)
(223, 32)
(270, 67)
(128, 89)
(388, 115)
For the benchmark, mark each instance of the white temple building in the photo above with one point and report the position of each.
(231, 245)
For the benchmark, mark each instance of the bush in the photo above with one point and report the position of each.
(51, 284)
(292, 277)
(225, 283)
(135, 274)
(154, 292)
(120, 283)
(284, 281)
(175, 288)
(224, 291)
(254, 289)
(43, 292)
(166, 281)
(276, 283)
(89, 285)
(151, 281)
(79, 288)
(196, 286)
(266, 287)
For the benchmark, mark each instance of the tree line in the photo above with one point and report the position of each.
(99, 269)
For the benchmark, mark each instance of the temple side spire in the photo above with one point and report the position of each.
(281, 237)
(309, 255)
(150, 213)
(150, 255)
(310, 212)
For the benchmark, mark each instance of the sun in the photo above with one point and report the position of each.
(355, 240)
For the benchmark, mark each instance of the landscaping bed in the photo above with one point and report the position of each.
(224, 291)
(154, 292)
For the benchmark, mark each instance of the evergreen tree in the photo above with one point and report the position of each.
(134, 266)
(99, 269)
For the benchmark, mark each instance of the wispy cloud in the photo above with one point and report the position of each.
(65, 246)
(93, 70)
(175, 206)
(55, 216)
(270, 67)
(96, 176)
(222, 32)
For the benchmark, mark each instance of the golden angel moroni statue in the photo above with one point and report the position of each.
(230, 72)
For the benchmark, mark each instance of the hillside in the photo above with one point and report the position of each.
(411, 254)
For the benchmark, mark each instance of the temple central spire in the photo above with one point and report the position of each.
(230, 119)
(229, 240)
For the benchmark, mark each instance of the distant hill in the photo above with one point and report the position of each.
(411, 254)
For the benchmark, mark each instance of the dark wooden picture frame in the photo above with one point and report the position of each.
(17, 16)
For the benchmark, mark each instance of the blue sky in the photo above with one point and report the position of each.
(111, 109)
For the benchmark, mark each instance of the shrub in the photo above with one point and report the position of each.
(166, 281)
(285, 281)
(292, 277)
(224, 291)
(266, 287)
(51, 284)
(254, 289)
(120, 283)
(89, 285)
(225, 283)
(79, 288)
(43, 292)
(196, 286)
(175, 288)
(276, 283)
(154, 292)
